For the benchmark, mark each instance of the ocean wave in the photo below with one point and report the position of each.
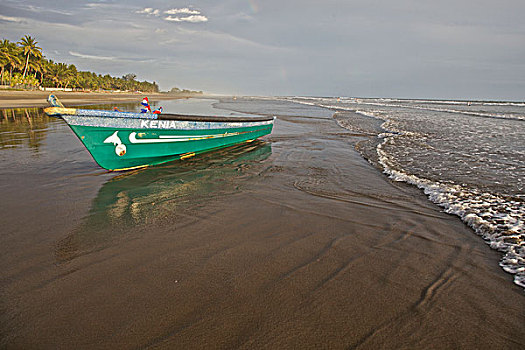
(460, 103)
(422, 101)
(495, 218)
(328, 103)
(454, 111)
(499, 220)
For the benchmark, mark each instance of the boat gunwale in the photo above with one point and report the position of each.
(205, 118)
(170, 116)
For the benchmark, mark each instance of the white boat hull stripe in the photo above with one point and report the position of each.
(164, 138)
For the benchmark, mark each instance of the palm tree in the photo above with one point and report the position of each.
(4, 47)
(25, 56)
(10, 53)
(70, 75)
(30, 49)
(37, 67)
(56, 73)
(47, 66)
(83, 80)
(44, 68)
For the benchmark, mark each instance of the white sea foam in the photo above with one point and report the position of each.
(499, 222)
(328, 103)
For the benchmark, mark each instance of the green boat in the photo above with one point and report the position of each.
(124, 140)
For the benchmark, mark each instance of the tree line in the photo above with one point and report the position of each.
(23, 65)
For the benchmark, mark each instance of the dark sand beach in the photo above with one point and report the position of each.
(17, 99)
(292, 242)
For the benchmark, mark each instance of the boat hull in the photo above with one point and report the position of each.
(127, 143)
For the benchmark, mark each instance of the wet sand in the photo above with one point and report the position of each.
(292, 242)
(17, 99)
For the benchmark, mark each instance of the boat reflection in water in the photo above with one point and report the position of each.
(148, 196)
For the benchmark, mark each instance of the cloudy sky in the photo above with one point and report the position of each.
(463, 49)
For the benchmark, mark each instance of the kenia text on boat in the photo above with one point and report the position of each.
(124, 140)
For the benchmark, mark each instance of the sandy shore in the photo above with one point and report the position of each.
(296, 242)
(15, 99)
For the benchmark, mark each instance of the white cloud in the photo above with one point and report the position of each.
(10, 19)
(112, 59)
(192, 19)
(97, 5)
(42, 9)
(146, 10)
(149, 11)
(91, 57)
(184, 10)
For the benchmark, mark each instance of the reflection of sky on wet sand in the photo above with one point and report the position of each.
(146, 196)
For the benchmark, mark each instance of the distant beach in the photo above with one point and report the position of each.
(18, 99)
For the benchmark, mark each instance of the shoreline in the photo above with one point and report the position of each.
(37, 99)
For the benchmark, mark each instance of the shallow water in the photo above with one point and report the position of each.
(50, 182)
(468, 157)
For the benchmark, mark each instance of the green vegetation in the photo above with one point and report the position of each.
(177, 91)
(24, 66)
